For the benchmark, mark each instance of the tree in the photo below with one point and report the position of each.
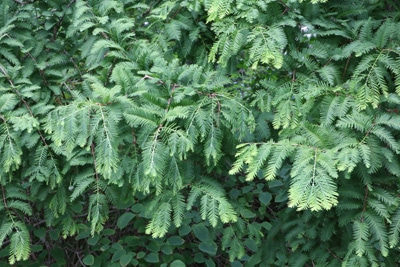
(191, 132)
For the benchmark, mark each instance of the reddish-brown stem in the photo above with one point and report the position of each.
(170, 98)
(334, 255)
(345, 67)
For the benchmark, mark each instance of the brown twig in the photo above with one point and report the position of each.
(334, 255)
(345, 67)
(174, 86)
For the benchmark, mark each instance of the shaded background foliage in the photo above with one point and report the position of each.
(212, 133)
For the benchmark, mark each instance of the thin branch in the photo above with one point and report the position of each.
(20, 2)
(92, 147)
(4, 197)
(4, 71)
(170, 98)
(345, 67)
(334, 255)
(364, 203)
(23, 100)
(70, 3)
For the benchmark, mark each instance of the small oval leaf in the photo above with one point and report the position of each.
(177, 263)
(201, 232)
(175, 240)
(88, 260)
(152, 258)
(126, 259)
(209, 247)
(265, 197)
(124, 219)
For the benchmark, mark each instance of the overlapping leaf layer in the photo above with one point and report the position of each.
(199, 133)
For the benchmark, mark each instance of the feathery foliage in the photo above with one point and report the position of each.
(264, 132)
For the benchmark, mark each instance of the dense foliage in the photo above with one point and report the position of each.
(199, 133)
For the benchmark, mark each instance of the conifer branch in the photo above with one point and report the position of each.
(365, 201)
(4, 197)
(92, 149)
(221, 117)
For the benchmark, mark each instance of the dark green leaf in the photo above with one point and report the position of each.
(152, 258)
(93, 240)
(40, 232)
(199, 257)
(247, 213)
(118, 255)
(175, 240)
(88, 260)
(167, 250)
(265, 197)
(126, 259)
(55, 234)
(210, 263)
(124, 219)
(108, 232)
(251, 244)
(184, 230)
(201, 232)
(117, 246)
(208, 247)
(177, 263)
(140, 254)
(137, 208)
